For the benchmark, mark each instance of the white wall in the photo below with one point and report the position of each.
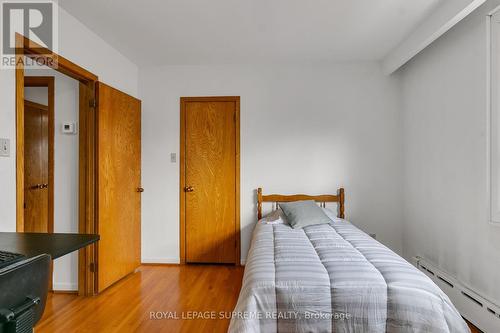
(444, 132)
(303, 129)
(80, 45)
(66, 108)
(36, 94)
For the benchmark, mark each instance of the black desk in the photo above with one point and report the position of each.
(33, 244)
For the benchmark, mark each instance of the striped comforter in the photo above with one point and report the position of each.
(335, 278)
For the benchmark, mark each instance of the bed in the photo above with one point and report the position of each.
(334, 278)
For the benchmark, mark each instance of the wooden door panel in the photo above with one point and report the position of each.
(36, 169)
(210, 164)
(119, 177)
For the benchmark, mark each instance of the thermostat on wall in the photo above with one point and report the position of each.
(69, 128)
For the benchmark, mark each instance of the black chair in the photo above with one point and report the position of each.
(23, 292)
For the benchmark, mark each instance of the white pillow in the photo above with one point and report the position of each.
(275, 217)
(331, 214)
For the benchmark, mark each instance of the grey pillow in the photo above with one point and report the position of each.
(300, 214)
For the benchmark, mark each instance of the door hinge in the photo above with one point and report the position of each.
(93, 267)
(92, 103)
(234, 117)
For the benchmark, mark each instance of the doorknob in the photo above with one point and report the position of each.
(188, 189)
(140, 189)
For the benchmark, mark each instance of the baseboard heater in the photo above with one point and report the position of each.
(484, 314)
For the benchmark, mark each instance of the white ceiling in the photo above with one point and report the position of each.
(176, 32)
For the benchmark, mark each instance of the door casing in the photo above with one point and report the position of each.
(87, 149)
(182, 171)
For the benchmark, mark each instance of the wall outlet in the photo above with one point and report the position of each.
(4, 147)
(173, 158)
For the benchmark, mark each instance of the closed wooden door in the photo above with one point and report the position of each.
(36, 167)
(211, 179)
(119, 185)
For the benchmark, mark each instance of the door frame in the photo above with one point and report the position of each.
(87, 261)
(47, 82)
(182, 172)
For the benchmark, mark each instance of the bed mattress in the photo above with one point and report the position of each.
(335, 278)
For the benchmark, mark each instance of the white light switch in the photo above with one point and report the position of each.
(4, 147)
(173, 158)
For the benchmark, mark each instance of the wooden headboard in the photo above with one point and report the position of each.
(323, 199)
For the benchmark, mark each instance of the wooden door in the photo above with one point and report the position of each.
(119, 184)
(210, 184)
(36, 167)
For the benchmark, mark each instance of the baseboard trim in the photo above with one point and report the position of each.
(160, 260)
(172, 261)
(65, 292)
(59, 287)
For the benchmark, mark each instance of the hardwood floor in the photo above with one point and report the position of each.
(473, 329)
(166, 290)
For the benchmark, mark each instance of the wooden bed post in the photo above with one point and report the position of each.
(341, 203)
(259, 203)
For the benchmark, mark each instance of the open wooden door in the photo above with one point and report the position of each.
(119, 184)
